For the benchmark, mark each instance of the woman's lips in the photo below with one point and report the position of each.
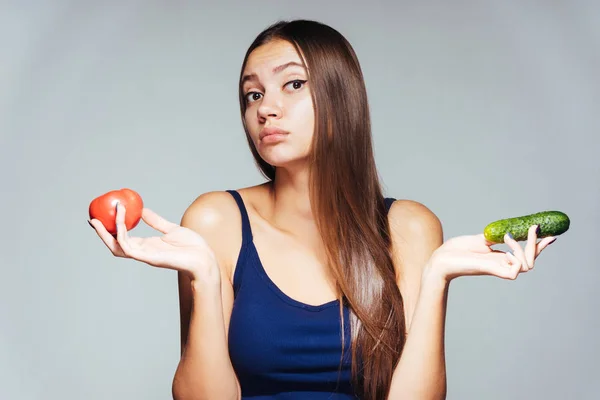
(273, 138)
(271, 131)
(272, 135)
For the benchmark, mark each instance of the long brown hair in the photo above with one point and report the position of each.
(347, 199)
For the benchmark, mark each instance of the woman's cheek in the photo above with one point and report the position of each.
(251, 125)
(308, 119)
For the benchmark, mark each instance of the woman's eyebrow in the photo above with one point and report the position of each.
(276, 70)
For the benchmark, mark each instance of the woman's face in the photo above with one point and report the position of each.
(277, 96)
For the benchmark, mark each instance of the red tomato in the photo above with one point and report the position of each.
(103, 208)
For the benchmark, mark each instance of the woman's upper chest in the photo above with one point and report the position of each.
(293, 258)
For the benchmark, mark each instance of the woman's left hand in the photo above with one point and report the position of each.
(473, 255)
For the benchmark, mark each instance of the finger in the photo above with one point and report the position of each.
(515, 260)
(502, 265)
(108, 239)
(516, 247)
(122, 234)
(131, 246)
(515, 266)
(531, 248)
(545, 242)
(157, 222)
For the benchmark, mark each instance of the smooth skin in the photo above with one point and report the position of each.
(204, 247)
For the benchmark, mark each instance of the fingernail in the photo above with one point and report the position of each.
(552, 241)
(510, 235)
(90, 224)
(116, 206)
(538, 230)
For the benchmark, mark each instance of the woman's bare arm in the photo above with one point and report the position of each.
(205, 370)
(421, 371)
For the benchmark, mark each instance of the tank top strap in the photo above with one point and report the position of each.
(388, 203)
(246, 229)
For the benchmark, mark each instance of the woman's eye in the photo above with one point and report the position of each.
(296, 84)
(252, 96)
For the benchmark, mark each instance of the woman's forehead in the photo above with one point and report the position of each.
(270, 55)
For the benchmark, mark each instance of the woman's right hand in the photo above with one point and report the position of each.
(179, 248)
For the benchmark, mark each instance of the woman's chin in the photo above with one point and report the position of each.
(285, 162)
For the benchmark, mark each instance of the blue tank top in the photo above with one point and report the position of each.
(282, 348)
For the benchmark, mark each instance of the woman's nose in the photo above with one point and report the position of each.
(269, 107)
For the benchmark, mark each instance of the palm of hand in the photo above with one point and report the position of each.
(473, 255)
(179, 248)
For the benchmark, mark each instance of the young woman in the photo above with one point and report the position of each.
(312, 285)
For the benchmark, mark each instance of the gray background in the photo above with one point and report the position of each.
(481, 110)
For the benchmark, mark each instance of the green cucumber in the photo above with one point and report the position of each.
(552, 223)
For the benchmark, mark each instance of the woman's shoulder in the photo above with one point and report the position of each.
(414, 226)
(415, 229)
(212, 209)
(411, 213)
(209, 210)
(216, 216)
